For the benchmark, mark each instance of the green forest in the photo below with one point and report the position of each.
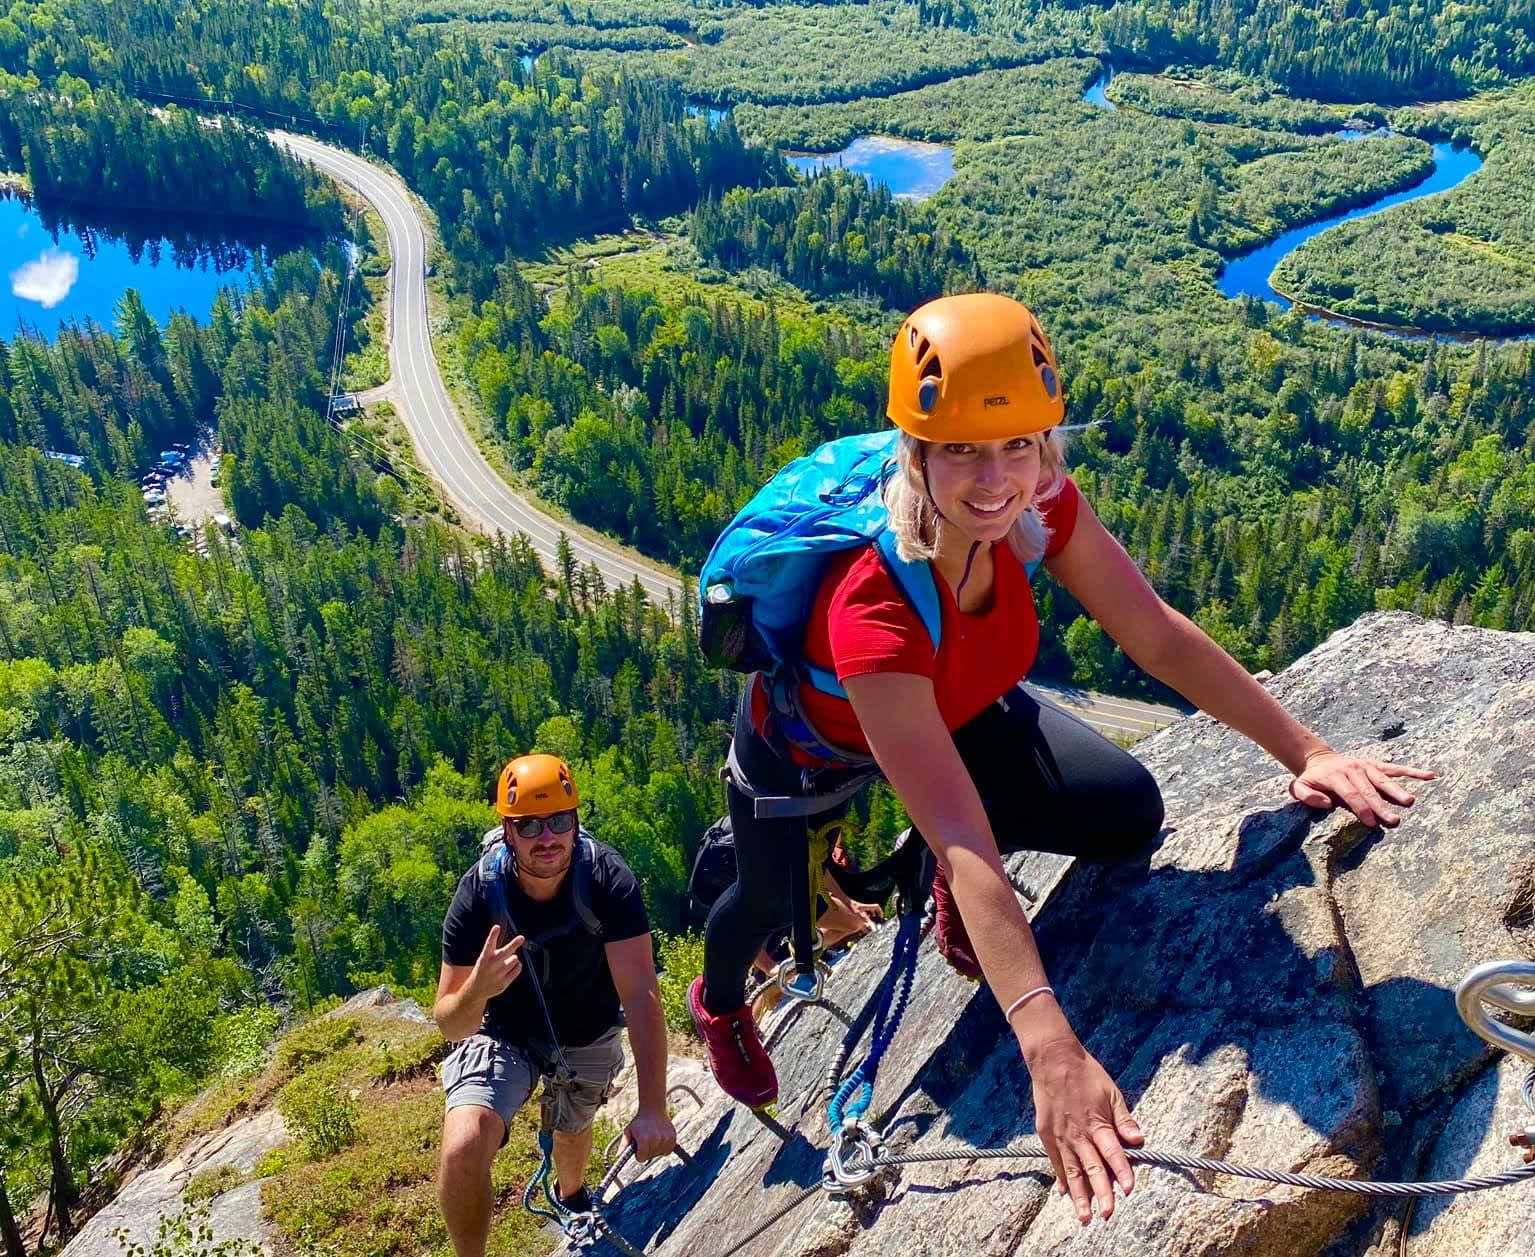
(243, 775)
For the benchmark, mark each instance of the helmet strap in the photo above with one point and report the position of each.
(928, 490)
(969, 559)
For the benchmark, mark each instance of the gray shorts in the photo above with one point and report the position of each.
(492, 1074)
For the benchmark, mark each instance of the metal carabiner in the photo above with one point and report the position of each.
(797, 985)
(1492, 983)
(582, 1231)
(853, 1158)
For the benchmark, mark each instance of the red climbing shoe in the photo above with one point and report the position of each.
(737, 1058)
(953, 939)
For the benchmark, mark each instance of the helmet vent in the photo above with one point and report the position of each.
(932, 369)
(1040, 360)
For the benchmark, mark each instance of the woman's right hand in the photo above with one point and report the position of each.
(1084, 1124)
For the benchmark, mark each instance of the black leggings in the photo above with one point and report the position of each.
(1047, 780)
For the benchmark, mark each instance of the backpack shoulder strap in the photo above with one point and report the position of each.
(492, 870)
(915, 580)
(582, 863)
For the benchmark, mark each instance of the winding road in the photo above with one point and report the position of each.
(448, 452)
(436, 429)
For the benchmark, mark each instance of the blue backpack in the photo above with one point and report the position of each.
(759, 583)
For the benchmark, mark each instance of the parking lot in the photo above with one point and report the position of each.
(190, 495)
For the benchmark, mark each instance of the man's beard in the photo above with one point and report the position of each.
(546, 873)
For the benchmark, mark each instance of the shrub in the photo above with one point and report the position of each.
(682, 960)
(414, 1053)
(316, 1040)
(273, 1161)
(186, 1234)
(319, 1115)
(240, 1040)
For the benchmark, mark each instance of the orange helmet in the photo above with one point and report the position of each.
(975, 367)
(536, 785)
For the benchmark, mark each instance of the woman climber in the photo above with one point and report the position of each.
(983, 769)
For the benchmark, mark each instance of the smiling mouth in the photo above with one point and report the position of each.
(990, 508)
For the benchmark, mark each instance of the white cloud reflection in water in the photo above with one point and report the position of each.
(46, 279)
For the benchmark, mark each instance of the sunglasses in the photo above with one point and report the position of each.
(529, 827)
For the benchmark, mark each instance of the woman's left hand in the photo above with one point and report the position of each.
(1364, 786)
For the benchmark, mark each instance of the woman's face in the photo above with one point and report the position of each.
(982, 487)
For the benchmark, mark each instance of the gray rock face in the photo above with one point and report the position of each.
(1271, 985)
(235, 1214)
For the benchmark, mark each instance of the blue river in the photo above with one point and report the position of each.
(1249, 273)
(52, 281)
(911, 170)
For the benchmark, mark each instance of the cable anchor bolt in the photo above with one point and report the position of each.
(1525, 1139)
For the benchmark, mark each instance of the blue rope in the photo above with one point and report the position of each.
(856, 1093)
(555, 1211)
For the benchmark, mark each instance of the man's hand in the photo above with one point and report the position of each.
(652, 1135)
(498, 967)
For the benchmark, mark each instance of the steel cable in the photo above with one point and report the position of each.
(1033, 1150)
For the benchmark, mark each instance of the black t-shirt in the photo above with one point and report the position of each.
(583, 1002)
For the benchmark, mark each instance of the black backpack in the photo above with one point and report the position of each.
(714, 868)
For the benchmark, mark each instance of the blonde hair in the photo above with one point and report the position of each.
(914, 517)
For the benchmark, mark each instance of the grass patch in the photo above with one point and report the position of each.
(381, 438)
(215, 1181)
(378, 1198)
(367, 366)
(320, 1040)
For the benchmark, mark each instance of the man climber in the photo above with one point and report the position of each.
(546, 955)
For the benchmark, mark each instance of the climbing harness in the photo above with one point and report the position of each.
(801, 975)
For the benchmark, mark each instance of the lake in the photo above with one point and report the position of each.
(911, 169)
(1097, 94)
(82, 275)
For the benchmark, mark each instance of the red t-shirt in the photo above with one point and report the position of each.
(862, 623)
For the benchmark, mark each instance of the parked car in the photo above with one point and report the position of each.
(154, 497)
(173, 457)
(213, 476)
(223, 521)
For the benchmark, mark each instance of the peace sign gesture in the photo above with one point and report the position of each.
(497, 967)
